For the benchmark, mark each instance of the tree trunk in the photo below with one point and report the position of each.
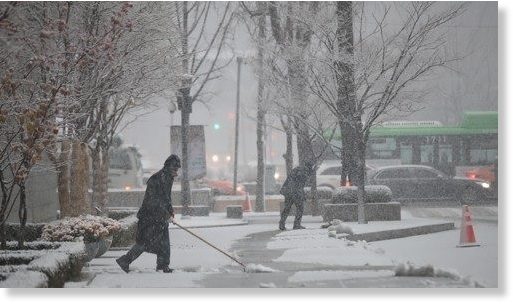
(3, 239)
(346, 96)
(288, 156)
(186, 188)
(96, 161)
(22, 215)
(3, 212)
(348, 154)
(100, 160)
(79, 179)
(104, 182)
(63, 180)
(186, 109)
(360, 179)
(260, 195)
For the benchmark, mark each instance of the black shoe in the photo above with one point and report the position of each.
(165, 269)
(300, 227)
(282, 227)
(123, 264)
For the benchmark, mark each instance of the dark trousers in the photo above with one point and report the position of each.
(300, 205)
(162, 255)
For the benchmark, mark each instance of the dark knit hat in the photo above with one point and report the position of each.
(173, 161)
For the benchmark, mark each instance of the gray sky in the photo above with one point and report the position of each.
(472, 86)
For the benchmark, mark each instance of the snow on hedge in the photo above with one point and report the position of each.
(373, 194)
(39, 257)
(323, 192)
(26, 279)
(50, 263)
(409, 269)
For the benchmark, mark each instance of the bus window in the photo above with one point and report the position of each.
(445, 153)
(381, 148)
(482, 156)
(426, 154)
(406, 154)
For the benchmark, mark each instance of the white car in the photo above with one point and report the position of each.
(329, 172)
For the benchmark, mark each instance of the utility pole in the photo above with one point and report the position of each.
(237, 116)
(260, 193)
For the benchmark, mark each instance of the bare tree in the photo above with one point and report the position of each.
(370, 68)
(200, 51)
(144, 64)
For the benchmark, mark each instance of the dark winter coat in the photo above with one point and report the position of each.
(152, 227)
(294, 185)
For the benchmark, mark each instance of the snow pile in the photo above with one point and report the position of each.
(257, 268)
(267, 285)
(336, 226)
(50, 264)
(409, 269)
(341, 228)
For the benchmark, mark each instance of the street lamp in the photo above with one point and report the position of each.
(237, 114)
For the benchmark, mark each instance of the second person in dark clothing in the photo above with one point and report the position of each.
(153, 218)
(294, 193)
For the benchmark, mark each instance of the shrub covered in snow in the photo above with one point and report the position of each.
(336, 226)
(126, 236)
(373, 193)
(121, 213)
(323, 192)
(41, 264)
(90, 228)
(31, 232)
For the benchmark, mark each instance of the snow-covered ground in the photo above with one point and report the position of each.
(439, 249)
(306, 258)
(191, 259)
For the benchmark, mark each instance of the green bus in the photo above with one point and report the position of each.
(466, 150)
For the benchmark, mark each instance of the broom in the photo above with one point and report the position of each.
(211, 245)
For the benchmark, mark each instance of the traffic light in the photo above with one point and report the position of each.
(217, 126)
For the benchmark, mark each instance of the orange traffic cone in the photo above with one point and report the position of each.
(348, 183)
(246, 207)
(467, 236)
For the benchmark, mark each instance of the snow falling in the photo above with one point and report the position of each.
(249, 145)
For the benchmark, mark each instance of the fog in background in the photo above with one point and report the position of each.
(470, 86)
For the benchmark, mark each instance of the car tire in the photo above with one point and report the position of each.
(469, 196)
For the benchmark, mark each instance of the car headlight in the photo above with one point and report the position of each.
(484, 184)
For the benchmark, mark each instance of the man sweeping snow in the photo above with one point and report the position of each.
(154, 215)
(293, 190)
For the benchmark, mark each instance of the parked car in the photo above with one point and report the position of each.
(224, 187)
(424, 183)
(329, 174)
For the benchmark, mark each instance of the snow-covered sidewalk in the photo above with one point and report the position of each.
(299, 258)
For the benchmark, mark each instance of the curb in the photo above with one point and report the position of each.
(400, 233)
